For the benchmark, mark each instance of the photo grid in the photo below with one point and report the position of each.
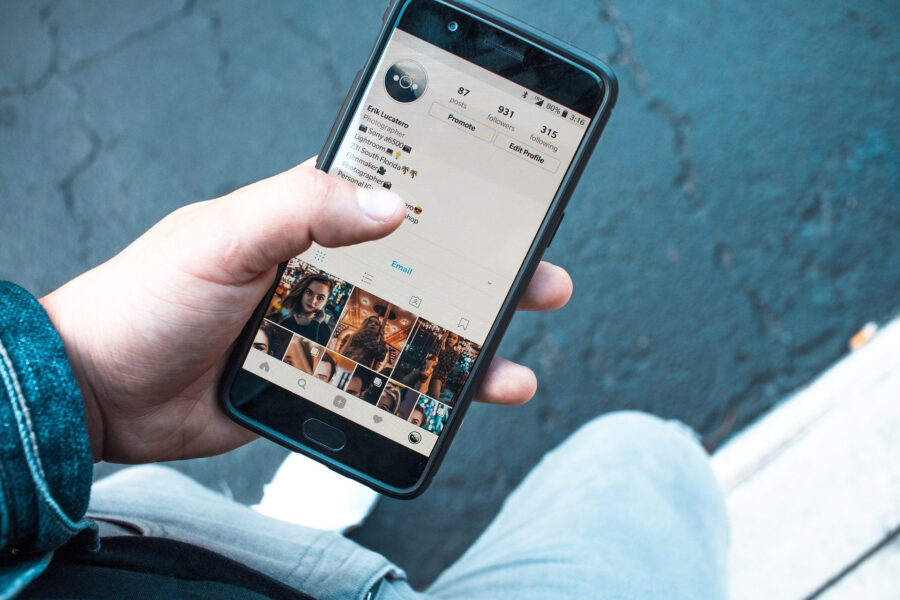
(366, 346)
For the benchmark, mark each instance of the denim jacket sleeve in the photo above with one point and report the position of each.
(46, 464)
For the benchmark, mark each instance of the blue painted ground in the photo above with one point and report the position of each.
(738, 222)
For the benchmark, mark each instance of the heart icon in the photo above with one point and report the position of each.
(376, 418)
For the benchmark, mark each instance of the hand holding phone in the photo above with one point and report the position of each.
(483, 126)
(148, 332)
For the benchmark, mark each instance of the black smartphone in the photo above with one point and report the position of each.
(366, 357)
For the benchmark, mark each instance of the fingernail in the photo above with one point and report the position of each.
(379, 205)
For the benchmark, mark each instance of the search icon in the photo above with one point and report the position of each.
(301, 383)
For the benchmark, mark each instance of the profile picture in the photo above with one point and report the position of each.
(272, 339)
(436, 362)
(405, 81)
(334, 369)
(397, 399)
(303, 354)
(372, 331)
(365, 384)
(429, 414)
(308, 301)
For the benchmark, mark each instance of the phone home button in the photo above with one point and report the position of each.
(324, 434)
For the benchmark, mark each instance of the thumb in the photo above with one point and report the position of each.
(270, 221)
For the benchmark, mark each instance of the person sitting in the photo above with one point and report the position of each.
(627, 507)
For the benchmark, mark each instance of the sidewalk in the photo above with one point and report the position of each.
(813, 488)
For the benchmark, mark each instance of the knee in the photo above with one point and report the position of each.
(630, 441)
(641, 451)
(637, 432)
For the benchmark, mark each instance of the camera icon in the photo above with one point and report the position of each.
(415, 301)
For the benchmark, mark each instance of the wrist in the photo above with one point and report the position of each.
(79, 364)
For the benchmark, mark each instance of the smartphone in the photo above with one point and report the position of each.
(366, 357)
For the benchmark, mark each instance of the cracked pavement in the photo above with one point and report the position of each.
(737, 224)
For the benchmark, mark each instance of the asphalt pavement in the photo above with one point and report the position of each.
(737, 223)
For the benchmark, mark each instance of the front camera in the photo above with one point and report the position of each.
(452, 26)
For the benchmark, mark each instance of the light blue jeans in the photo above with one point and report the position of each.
(627, 507)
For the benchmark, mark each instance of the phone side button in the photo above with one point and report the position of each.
(324, 434)
(556, 228)
(387, 12)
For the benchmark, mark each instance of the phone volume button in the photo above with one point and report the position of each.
(387, 12)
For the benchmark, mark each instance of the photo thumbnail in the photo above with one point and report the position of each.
(365, 384)
(303, 354)
(308, 301)
(372, 331)
(397, 400)
(436, 362)
(272, 339)
(429, 414)
(334, 369)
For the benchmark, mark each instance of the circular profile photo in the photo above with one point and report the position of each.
(405, 81)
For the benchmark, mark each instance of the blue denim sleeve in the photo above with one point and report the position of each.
(46, 464)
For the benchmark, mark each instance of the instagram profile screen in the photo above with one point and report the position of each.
(385, 333)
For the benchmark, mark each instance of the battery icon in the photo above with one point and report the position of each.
(565, 114)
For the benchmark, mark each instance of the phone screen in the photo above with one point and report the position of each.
(386, 333)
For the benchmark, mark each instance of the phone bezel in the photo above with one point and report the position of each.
(400, 459)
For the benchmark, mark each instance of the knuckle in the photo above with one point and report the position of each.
(315, 185)
(230, 251)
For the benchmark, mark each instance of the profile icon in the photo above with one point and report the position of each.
(405, 81)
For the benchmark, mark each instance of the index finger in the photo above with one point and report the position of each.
(550, 288)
